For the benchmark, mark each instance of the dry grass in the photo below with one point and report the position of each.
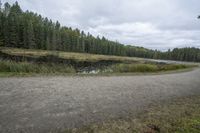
(136, 67)
(128, 65)
(178, 116)
(68, 55)
(25, 68)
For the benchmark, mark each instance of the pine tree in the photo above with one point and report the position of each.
(30, 30)
(13, 25)
(1, 28)
(30, 35)
(82, 41)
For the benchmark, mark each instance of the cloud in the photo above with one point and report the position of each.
(148, 35)
(156, 24)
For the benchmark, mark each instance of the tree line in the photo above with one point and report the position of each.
(32, 31)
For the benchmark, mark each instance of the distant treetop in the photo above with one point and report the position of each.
(32, 31)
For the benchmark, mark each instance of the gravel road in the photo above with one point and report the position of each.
(52, 104)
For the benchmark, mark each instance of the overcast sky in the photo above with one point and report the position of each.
(155, 24)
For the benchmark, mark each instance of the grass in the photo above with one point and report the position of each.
(178, 116)
(72, 55)
(67, 55)
(128, 65)
(12, 68)
(127, 68)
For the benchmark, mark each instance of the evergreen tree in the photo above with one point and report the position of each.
(30, 35)
(1, 28)
(30, 30)
(13, 23)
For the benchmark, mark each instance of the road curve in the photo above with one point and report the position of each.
(52, 104)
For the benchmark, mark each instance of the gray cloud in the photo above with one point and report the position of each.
(156, 24)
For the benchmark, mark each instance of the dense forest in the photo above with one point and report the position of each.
(32, 31)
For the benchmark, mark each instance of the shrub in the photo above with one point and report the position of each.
(125, 68)
(172, 67)
(134, 68)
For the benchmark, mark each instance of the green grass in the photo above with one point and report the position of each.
(178, 116)
(121, 68)
(12, 68)
(129, 68)
(128, 65)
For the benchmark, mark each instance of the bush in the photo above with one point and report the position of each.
(172, 67)
(134, 68)
(127, 68)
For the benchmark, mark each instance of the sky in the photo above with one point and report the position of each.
(154, 24)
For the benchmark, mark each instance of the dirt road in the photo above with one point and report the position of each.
(52, 104)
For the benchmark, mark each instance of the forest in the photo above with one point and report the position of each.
(26, 29)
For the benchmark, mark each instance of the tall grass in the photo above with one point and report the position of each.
(66, 55)
(173, 67)
(133, 68)
(25, 67)
(128, 68)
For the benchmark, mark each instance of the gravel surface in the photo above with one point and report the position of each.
(52, 104)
